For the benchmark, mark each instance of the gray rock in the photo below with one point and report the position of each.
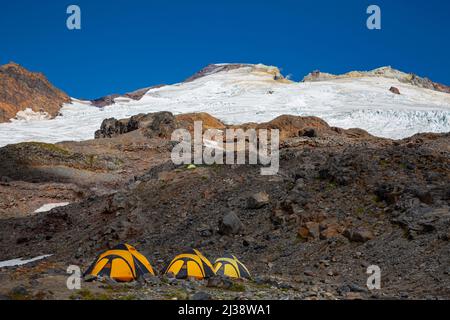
(258, 200)
(19, 291)
(214, 282)
(5, 179)
(201, 296)
(151, 279)
(89, 278)
(359, 235)
(308, 132)
(309, 273)
(355, 288)
(230, 224)
(118, 201)
(157, 124)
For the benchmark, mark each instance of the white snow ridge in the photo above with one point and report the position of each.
(255, 93)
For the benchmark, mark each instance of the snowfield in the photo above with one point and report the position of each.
(250, 94)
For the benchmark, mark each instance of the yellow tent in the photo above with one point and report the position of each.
(231, 267)
(123, 263)
(190, 264)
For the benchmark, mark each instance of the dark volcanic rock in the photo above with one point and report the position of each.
(394, 90)
(159, 124)
(214, 68)
(135, 95)
(258, 200)
(201, 296)
(423, 220)
(230, 224)
(308, 132)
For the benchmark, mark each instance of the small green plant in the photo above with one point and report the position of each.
(383, 163)
(331, 186)
(237, 287)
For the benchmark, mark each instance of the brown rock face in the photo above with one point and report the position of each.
(135, 95)
(213, 68)
(21, 89)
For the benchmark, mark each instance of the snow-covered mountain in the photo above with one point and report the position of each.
(238, 93)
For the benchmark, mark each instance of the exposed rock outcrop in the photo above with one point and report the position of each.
(110, 99)
(216, 68)
(159, 124)
(22, 89)
(386, 72)
(394, 90)
(162, 124)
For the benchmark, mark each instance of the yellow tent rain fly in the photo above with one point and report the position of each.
(123, 263)
(231, 267)
(190, 264)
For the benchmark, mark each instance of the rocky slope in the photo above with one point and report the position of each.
(343, 200)
(22, 89)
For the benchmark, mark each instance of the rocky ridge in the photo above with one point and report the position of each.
(386, 72)
(22, 89)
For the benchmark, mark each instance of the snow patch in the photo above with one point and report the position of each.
(49, 206)
(21, 262)
(29, 115)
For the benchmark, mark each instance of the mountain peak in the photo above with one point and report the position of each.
(226, 67)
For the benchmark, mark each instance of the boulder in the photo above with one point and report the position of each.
(308, 132)
(330, 229)
(230, 224)
(309, 230)
(388, 193)
(159, 124)
(258, 200)
(359, 235)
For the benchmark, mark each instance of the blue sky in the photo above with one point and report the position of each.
(125, 45)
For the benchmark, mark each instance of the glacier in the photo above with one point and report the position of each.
(253, 94)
